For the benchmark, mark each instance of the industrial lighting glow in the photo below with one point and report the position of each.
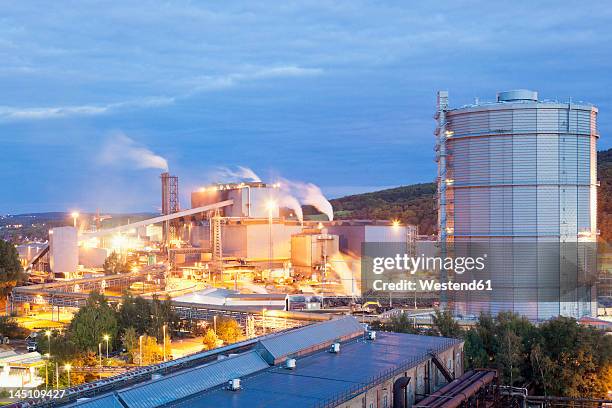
(106, 337)
(450, 230)
(67, 367)
(449, 182)
(449, 133)
(396, 223)
(271, 205)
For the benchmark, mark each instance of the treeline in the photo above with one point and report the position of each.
(557, 358)
(136, 326)
(414, 204)
(604, 198)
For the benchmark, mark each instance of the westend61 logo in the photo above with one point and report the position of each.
(404, 262)
(396, 267)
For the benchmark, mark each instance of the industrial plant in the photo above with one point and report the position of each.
(516, 186)
(245, 239)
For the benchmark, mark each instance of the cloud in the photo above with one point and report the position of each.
(9, 114)
(120, 149)
(205, 83)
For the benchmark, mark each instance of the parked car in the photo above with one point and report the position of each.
(31, 345)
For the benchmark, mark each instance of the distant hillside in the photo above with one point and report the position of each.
(415, 204)
(604, 198)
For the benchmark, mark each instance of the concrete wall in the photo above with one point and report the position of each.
(352, 236)
(381, 395)
(307, 250)
(92, 257)
(253, 240)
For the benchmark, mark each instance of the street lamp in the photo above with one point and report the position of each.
(106, 339)
(47, 371)
(75, 217)
(164, 330)
(67, 367)
(100, 357)
(140, 348)
(263, 315)
(271, 206)
(48, 334)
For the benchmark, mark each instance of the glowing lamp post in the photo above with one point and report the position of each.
(100, 357)
(140, 348)
(164, 330)
(75, 217)
(106, 339)
(271, 207)
(67, 367)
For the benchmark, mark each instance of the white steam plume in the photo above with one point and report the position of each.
(289, 201)
(226, 175)
(308, 194)
(120, 149)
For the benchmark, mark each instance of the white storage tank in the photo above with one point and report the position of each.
(63, 251)
(521, 174)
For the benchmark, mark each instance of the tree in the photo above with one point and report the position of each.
(152, 352)
(445, 325)
(400, 323)
(510, 358)
(9, 327)
(476, 355)
(94, 320)
(162, 314)
(113, 265)
(135, 312)
(229, 330)
(210, 340)
(11, 272)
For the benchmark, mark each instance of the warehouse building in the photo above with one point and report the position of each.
(331, 364)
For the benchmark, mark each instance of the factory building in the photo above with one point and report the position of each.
(252, 239)
(353, 233)
(331, 364)
(251, 200)
(520, 174)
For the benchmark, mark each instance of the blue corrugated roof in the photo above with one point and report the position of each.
(322, 376)
(307, 337)
(180, 385)
(107, 401)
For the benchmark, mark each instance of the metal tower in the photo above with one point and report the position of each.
(170, 205)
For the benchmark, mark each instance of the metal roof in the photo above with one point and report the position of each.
(323, 377)
(309, 338)
(185, 383)
(107, 401)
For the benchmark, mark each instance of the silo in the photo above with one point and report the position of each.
(64, 251)
(520, 174)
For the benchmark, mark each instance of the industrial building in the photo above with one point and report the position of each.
(336, 363)
(520, 174)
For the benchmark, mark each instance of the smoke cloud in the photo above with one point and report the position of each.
(121, 149)
(240, 173)
(308, 194)
(288, 201)
(291, 194)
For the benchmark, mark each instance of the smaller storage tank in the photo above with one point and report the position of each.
(64, 251)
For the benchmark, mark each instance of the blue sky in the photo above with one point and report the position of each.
(337, 93)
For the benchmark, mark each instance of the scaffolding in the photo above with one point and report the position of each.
(170, 205)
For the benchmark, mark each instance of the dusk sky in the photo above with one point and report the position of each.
(337, 93)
